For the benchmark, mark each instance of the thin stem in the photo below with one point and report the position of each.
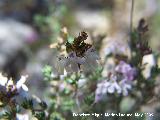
(131, 16)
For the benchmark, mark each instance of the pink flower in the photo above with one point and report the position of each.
(20, 83)
(112, 85)
(127, 71)
(107, 86)
(125, 87)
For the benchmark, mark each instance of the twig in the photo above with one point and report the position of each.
(131, 17)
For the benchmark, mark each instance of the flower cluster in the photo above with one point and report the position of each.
(126, 70)
(80, 56)
(15, 97)
(113, 47)
(9, 90)
(118, 82)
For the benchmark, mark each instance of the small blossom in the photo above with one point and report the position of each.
(73, 62)
(81, 56)
(125, 87)
(102, 87)
(3, 80)
(91, 52)
(101, 90)
(72, 56)
(148, 61)
(106, 87)
(61, 62)
(98, 97)
(116, 47)
(90, 62)
(81, 82)
(22, 116)
(20, 83)
(9, 83)
(22, 93)
(111, 86)
(127, 71)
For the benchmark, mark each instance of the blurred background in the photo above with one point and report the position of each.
(28, 27)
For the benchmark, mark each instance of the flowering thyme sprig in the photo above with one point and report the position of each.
(15, 95)
(139, 39)
(9, 90)
(120, 81)
(80, 56)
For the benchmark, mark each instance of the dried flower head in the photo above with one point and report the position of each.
(142, 44)
(142, 26)
(80, 55)
(79, 46)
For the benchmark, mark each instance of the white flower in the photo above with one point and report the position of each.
(113, 87)
(22, 93)
(61, 62)
(82, 82)
(102, 87)
(101, 90)
(62, 77)
(22, 116)
(73, 63)
(10, 83)
(72, 56)
(108, 50)
(106, 87)
(149, 62)
(3, 80)
(109, 86)
(125, 87)
(20, 83)
(116, 47)
(91, 52)
(90, 62)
